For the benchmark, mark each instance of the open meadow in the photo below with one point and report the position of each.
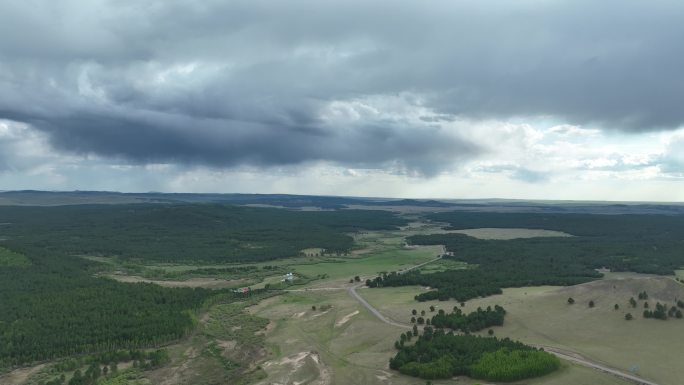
(542, 316)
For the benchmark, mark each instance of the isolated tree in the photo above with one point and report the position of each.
(432, 308)
(571, 301)
(415, 330)
(591, 303)
(414, 312)
(462, 304)
(633, 302)
(422, 312)
(678, 314)
(421, 320)
(413, 320)
(490, 332)
(645, 305)
(427, 321)
(357, 278)
(616, 307)
(628, 316)
(351, 280)
(313, 307)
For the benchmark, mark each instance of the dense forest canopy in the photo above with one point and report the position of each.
(640, 243)
(55, 308)
(199, 232)
(52, 306)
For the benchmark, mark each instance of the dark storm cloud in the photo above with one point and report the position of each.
(251, 82)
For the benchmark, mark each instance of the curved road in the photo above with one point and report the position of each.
(560, 353)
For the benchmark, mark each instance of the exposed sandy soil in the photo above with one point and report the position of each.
(269, 328)
(19, 376)
(346, 318)
(298, 369)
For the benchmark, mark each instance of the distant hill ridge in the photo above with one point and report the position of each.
(57, 198)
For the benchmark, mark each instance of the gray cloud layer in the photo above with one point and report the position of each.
(248, 82)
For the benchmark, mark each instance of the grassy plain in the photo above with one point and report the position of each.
(346, 344)
(541, 315)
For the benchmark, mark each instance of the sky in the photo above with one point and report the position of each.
(526, 99)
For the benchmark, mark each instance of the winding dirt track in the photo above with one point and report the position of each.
(560, 353)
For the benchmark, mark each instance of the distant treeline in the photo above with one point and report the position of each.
(650, 244)
(640, 243)
(199, 232)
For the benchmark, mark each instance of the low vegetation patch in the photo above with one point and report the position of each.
(10, 258)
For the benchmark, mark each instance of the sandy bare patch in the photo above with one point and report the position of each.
(19, 376)
(227, 345)
(346, 318)
(319, 314)
(384, 376)
(299, 315)
(269, 328)
(300, 368)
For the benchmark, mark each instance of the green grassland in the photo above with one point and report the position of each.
(541, 315)
(10, 258)
(374, 252)
(312, 345)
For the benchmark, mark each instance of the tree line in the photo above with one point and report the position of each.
(471, 322)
